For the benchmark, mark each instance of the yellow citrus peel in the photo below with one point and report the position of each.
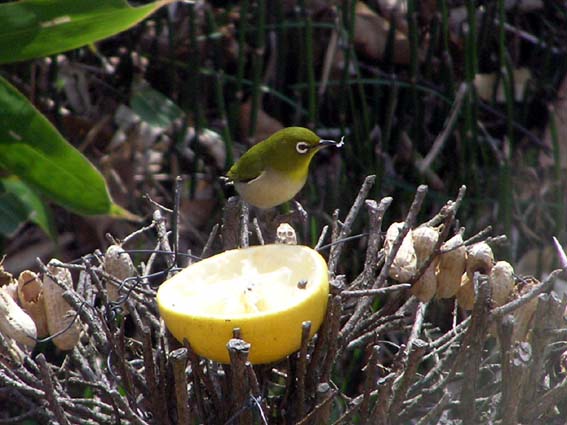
(266, 291)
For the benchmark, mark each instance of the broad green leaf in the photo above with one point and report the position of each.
(32, 149)
(36, 28)
(35, 209)
(154, 107)
(13, 214)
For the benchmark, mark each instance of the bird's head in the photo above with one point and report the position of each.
(293, 148)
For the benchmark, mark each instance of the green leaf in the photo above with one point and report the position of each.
(154, 107)
(32, 149)
(34, 208)
(36, 28)
(13, 214)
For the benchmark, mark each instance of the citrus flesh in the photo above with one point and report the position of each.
(266, 291)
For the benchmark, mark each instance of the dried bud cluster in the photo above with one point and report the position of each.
(35, 308)
(449, 274)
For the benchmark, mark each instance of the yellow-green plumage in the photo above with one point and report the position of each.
(274, 170)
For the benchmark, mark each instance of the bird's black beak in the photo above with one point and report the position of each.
(325, 143)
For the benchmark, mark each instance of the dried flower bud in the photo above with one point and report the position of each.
(465, 294)
(451, 267)
(426, 286)
(424, 240)
(30, 295)
(501, 282)
(60, 315)
(479, 259)
(117, 263)
(405, 262)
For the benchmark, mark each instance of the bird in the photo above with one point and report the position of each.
(273, 171)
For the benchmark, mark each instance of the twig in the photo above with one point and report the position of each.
(440, 140)
(377, 291)
(514, 368)
(230, 224)
(322, 237)
(365, 302)
(178, 359)
(322, 410)
(471, 349)
(258, 231)
(369, 384)
(432, 414)
(244, 222)
(548, 314)
(210, 240)
(238, 351)
(301, 369)
(336, 250)
(49, 389)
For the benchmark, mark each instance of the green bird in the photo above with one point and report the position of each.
(274, 170)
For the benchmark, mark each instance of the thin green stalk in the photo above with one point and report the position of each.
(347, 21)
(472, 36)
(194, 85)
(446, 53)
(311, 86)
(257, 66)
(242, 28)
(390, 113)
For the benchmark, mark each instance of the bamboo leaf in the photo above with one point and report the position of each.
(36, 28)
(32, 149)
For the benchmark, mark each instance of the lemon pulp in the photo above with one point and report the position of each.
(266, 291)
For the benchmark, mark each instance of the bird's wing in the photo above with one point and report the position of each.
(247, 168)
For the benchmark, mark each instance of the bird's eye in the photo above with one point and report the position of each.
(302, 148)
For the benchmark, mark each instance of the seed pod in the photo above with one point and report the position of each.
(117, 263)
(465, 294)
(451, 267)
(501, 280)
(424, 240)
(479, 259)
(405, 262)
(30, 295)
(523, 316)
(15, 323)
(60, 315)
(425, 287)
(286, 234)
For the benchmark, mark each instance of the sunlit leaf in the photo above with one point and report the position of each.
(32, 149)
(36, 28)
(35, 209)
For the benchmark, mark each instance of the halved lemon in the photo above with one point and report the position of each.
(266, 291)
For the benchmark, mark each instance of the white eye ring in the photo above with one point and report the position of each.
(302, 148)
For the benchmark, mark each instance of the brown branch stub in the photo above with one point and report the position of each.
(178, 359)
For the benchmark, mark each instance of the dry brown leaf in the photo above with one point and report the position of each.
(371, 36)
(485, 85)
(266, 125)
